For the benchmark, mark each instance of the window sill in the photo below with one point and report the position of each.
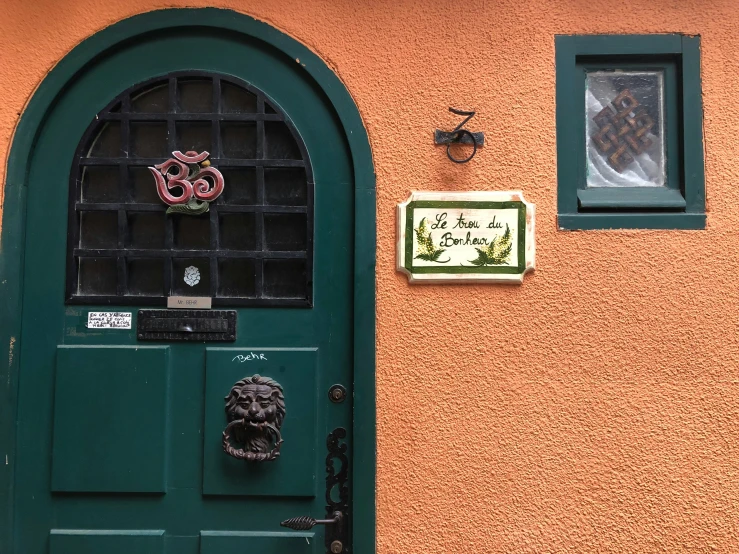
(573, 222)
(631, 198)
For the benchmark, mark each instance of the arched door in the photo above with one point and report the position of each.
(188, 167)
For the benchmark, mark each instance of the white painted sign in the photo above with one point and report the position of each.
(109, 320)
(466, 236)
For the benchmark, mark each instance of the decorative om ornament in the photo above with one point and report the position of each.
(255, 409)
(191, 173)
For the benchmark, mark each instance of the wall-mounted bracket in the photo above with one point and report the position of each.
(460, 135)
(454, 137)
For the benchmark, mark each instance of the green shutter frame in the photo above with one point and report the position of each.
(679, 205)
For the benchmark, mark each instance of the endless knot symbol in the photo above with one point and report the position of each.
(623, 130)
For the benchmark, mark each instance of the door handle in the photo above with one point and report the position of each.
(337, 532)
(304, 523)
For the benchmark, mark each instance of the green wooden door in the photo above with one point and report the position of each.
(119, 440)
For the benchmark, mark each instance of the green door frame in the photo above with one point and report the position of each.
(13, 238)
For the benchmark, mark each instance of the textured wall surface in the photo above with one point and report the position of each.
(594, 408)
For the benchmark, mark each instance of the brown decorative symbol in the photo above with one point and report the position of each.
(623, 129)
(191, 173)
(255, 409)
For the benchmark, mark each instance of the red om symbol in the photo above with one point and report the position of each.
(200, 187)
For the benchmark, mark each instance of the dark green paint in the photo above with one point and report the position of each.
(509, 205)
(186, 508)
(622, 45)
(679, 57)
(313, 87)
(595, 221)
(263, 543)
(108, 414)
(469, 270)
(634, 197)
(110, 542)
(295, 370)
(692, 110)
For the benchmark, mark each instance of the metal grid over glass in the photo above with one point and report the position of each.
(255, 244)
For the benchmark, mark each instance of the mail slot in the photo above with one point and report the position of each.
(186, 325)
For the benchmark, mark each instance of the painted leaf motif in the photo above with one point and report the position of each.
(427, 250)
(498, 252)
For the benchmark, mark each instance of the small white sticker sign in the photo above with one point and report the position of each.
(109, 320)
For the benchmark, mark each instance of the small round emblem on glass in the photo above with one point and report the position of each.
(192, 275)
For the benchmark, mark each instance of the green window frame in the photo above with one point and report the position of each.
(678, 205)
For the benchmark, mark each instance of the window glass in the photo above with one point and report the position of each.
(625, 129)
(154, 99)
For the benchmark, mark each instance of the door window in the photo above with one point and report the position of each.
(251, 244)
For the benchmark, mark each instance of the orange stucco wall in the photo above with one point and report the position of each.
(594, 408)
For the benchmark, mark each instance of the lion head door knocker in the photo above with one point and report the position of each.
(255, 409)
(191, 173)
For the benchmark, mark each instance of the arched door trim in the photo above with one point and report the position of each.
(13, 238)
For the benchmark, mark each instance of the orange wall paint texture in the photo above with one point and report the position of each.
(594, 408)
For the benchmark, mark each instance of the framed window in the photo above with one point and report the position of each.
(252, 245)
(629, 132)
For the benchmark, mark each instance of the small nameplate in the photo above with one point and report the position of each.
(190, 302)
(109, 320)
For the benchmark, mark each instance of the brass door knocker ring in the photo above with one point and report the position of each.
(255, 410)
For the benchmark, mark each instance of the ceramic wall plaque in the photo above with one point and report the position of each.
(466, 236)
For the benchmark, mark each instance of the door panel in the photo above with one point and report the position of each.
(296, 370)
(110, 419)
(85, 541)
(235, 542)
(136, 426)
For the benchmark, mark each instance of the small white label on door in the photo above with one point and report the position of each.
(192, 302)
(109, 320)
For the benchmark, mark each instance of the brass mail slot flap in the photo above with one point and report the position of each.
(186, 325)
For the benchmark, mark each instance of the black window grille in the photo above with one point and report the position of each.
(254, 247)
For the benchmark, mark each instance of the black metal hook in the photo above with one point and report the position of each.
(460, 135)
(469, 115)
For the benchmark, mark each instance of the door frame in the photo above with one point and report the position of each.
(12, 239)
